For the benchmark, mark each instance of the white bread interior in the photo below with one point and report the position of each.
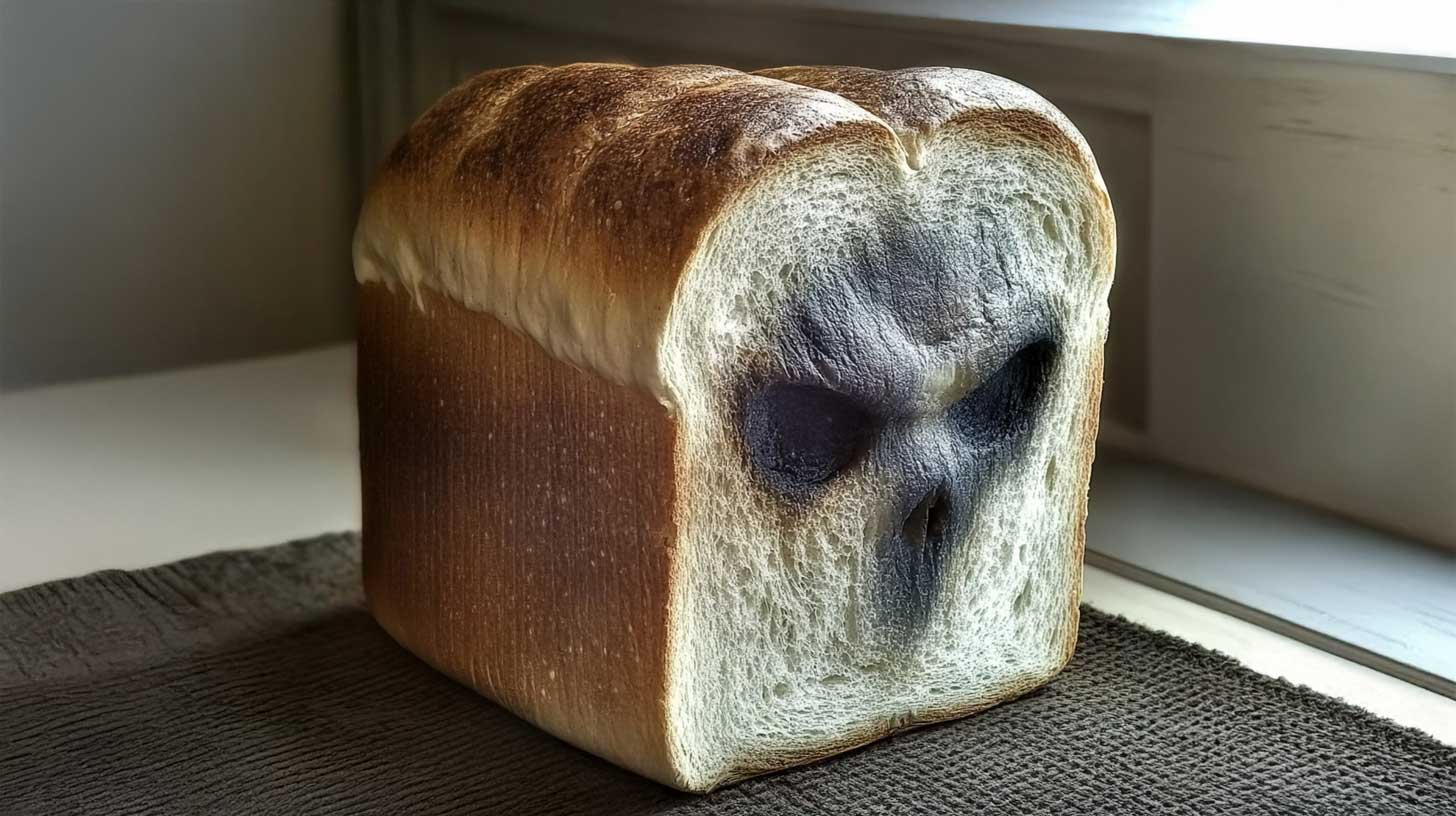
(774, 654)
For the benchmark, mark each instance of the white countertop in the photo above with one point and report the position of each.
(139, 471)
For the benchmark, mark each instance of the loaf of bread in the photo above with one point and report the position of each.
(718, 422)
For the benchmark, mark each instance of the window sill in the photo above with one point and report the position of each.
(1371, 597)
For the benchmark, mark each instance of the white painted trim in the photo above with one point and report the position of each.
(1410, 27)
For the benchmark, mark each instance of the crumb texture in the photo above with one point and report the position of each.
(830, 598)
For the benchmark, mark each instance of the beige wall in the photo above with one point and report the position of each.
(176, 183)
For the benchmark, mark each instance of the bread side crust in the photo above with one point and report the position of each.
(518, 522)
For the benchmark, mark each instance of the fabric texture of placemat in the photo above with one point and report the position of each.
(254, 682)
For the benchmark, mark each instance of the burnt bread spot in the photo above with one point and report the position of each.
(856, 377)
(1001, 410)
(905, 272)
(800, 436)
(981, 434)
(925, 527)
(859, 328)
(913, 557)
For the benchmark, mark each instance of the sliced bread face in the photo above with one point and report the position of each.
(874, 329)
(886, 385)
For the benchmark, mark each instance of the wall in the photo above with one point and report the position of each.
(176, 183)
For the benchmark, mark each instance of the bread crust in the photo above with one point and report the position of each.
(917, 103)
(567, 202)
(519, 256)
(518, 522)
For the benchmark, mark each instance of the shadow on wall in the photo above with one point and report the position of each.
(178, 184)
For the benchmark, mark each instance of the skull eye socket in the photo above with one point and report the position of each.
(800, 436)
(1001, 410)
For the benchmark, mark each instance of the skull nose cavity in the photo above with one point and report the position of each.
(925, 527)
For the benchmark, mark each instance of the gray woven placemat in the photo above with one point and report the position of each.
(253, 682)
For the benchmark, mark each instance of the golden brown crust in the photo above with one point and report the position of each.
(518, 527)
(567, 201)
(917, 103)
